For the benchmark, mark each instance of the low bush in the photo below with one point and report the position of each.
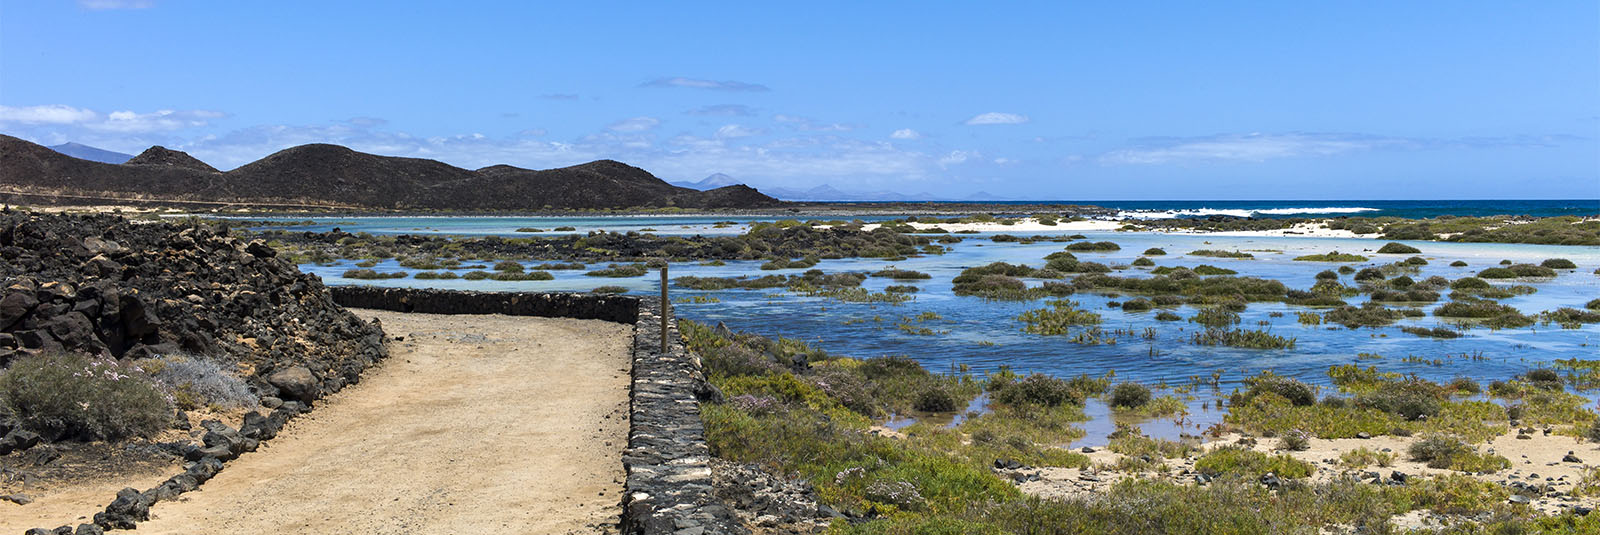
(1143, 262)
(1334, 256)
(1297, 392)
(1129, 395)
(1221, 254)
(1155, 251)
(65, 395)
(1398, 248)
(620, 271)
(1038, 389)
(1062, 315)
(901, 274)
(195, 383)
(1167, 316)
(1250, 464)
(1094, 246)
(367, 274)
(1558, 263)
(1137, 305)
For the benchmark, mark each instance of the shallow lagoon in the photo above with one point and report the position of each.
(983, 335)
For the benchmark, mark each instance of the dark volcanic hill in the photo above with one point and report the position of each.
(331, 175)
(162, 156)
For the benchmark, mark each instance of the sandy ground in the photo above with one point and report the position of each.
(1537, 460)
(476, 424)
(76, 502)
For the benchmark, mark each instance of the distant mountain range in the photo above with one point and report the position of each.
(93, 154)
(827, 192)
(335, 176)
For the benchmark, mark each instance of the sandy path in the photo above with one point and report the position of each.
(476, 424)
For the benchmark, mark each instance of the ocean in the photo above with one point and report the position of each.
(1310, 208)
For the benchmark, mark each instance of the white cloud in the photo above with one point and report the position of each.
(158, 121)
(127, 122)
(733, 110)
(47, 114)
(636, 124)
(995, 117)
(957, 157)
(696, 83)
(736, 131)
(905, 133)
(1252, 147)
(99, 5)
(810, 125)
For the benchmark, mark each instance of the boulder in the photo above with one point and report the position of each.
(296, 383)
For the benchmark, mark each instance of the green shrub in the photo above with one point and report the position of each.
(1137, 305)
(1094, 246)
(1398, 248)
(1155, 251)
(1411, 399)
(901, 274)
(1215, 317)
(368, 274)
(1250, 464)
(1062, 315)
(1334, 256)
(1558, 263)
(509, 266)
(1143, 262)
(1294, 390)
(1459, 263)
(935, 400)
(1130, 395)
(609, 290)
(75, 396)
(1038, 389)
(1221, 254)
(620, 271)
(1167, 316)
(1470, 283)
(1327, 275)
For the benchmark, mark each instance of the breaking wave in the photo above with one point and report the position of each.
(1240, 212)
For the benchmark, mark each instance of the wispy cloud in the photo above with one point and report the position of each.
(733, 131)
(995, 117)
(727, 110)
(696, 83)
(957, 157)
(1253, 147)
(99, 5)
(811, 125)
(905, 133)
(117, 121)
(636, 124)
(46, 114)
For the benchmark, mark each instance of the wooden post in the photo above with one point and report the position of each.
(666, 306)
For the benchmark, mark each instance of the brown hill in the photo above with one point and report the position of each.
(332, 175)
(162, 156)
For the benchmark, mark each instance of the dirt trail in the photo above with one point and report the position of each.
(476, 424)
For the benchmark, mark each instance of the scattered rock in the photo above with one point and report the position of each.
(18, 498)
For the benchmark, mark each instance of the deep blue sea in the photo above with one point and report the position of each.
(1309, 208)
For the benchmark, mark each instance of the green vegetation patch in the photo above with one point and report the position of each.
(1221, 254)
(1334, 256)
(1398, 248)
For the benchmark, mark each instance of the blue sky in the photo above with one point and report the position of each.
(1124, 100)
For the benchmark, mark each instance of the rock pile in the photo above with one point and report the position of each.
(101, 284)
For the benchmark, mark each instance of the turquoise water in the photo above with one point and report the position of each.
(983, 335)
